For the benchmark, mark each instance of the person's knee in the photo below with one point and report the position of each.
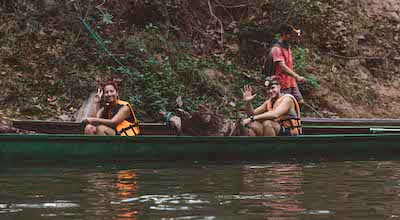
(256, 128)
(271, 128)
(101, 129)
(248, 130)
(105, 130)
(89, 129)
(267, 124)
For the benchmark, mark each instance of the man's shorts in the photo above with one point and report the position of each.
(294, 91)
(285, 132)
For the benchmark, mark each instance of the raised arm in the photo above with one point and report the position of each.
(247, 97)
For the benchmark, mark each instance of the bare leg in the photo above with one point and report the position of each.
(250, 132)
(90, 129)
(255, 130)
(105, 130)
(271, 128)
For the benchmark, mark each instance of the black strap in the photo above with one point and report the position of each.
(280, 45)
(291, 124)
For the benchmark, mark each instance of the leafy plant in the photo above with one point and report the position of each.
(106, 18)
(300, 57)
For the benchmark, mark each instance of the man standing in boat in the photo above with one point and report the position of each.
(115, 118)
(278, 116)
(283, 59)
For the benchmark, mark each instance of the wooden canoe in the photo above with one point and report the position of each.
(311, 126)
(372, 140)
(61, 147)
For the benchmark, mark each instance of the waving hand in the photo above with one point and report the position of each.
(97, 97)
(248, 93)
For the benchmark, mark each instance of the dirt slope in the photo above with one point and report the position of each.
(49, 63)
(360, 60)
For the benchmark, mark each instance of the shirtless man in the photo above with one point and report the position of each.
(278, 116)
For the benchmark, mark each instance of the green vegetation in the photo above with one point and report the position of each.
(301, 63)
(159, 70)
(167, 52)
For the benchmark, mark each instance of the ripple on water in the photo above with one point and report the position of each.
(170, 208)
(181, 202)
(160, 199)
(47, 205)
(250, 197)
(5, 211)
(318, 212)
(18, 207)
(191, 217)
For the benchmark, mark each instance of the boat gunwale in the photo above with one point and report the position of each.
(175, 137)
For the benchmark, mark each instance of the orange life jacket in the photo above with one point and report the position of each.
(287, 121)
(129, 126)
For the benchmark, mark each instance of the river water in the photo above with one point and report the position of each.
(269, 190)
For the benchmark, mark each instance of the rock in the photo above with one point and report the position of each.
(363, 75)
(64, 117)
(396, 60)
(213, 74)
(361, 37)
(396, 84)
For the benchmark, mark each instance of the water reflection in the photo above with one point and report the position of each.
(127, 187)
(325, 190)
(280, 185)
(118, 185)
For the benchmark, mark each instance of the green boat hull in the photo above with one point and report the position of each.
(144, 148)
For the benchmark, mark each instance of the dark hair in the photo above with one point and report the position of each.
(285, 29)
(113, 83)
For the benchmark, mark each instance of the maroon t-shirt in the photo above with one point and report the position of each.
(286, 81)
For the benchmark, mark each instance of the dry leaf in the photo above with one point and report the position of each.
(179, 101)
(38, 107)
(158, 57)
(63, 117)
(51, 82)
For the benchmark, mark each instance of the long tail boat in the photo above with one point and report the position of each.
(330, 139)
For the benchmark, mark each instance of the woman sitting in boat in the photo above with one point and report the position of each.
(278, 116)
(115, 118)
